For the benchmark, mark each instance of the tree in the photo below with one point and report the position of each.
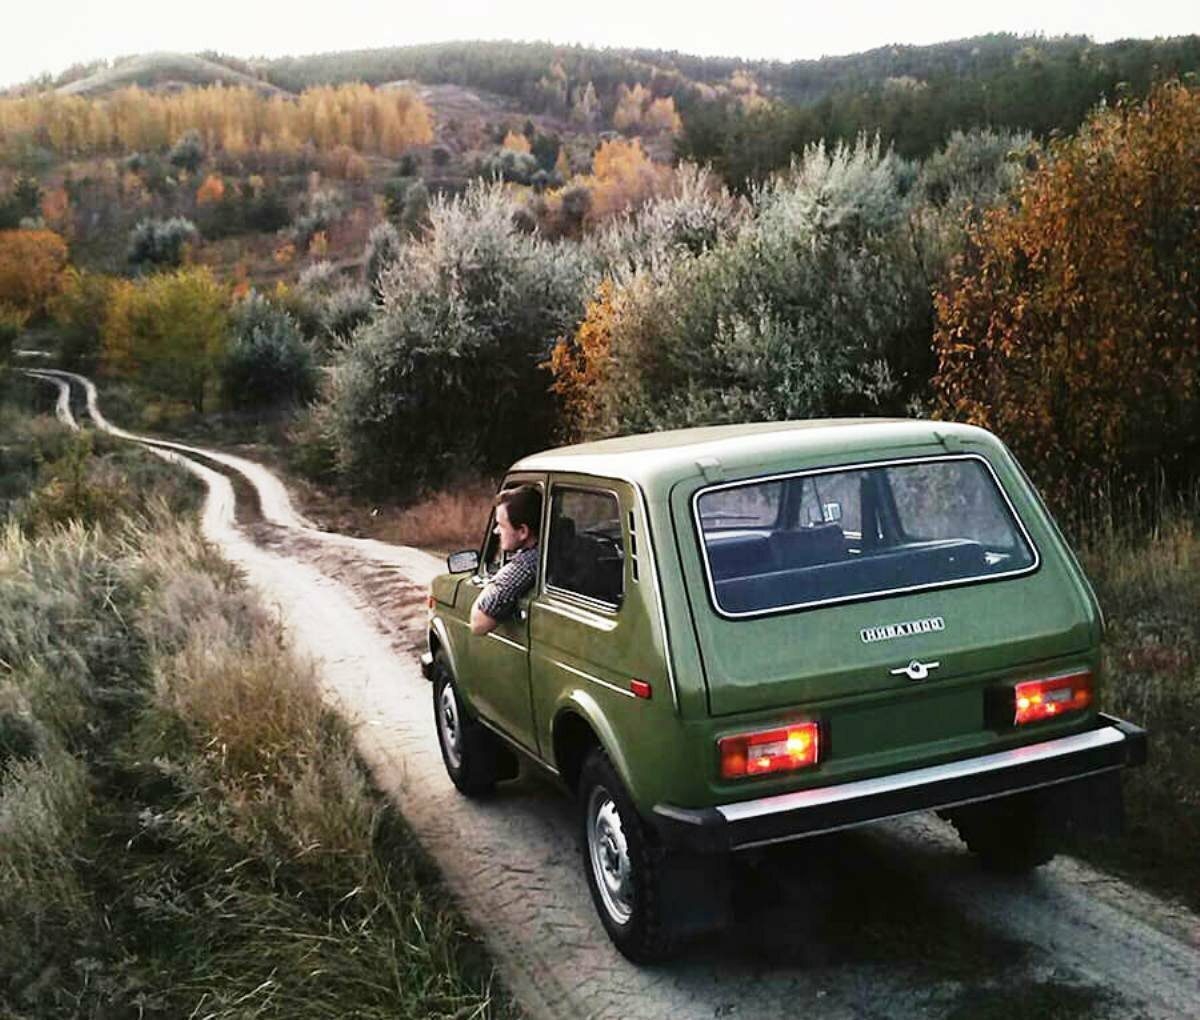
(79, 311)
(31, 268)
(1072, 324)
(169, 331)
(268, 361)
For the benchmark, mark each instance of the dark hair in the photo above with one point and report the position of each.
(524, 505)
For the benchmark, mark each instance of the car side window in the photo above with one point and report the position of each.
(586, 550)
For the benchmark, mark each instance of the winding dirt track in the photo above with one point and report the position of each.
(894, 921)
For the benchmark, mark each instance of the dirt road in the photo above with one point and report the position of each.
(893, 921)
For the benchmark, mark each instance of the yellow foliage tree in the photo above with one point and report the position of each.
(384, 121)
(623, 177)
(31, 268)
(168, 330)
(1072, 324)
(579, 366)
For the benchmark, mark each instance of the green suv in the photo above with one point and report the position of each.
(749, 634)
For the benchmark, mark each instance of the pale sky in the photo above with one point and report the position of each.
(50, 36)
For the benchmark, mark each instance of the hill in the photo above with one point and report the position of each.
(170, 72)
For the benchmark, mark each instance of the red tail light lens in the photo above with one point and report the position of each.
(1047, 699)
(781, 750)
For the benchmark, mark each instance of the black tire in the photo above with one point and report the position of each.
(624, 874)
(1011, 835)
(471, 754)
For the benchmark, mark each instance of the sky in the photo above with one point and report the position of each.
(49, 37)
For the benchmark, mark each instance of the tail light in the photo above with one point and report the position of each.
(767, 751)
(1047, 699)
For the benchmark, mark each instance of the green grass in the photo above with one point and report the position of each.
(184, 828)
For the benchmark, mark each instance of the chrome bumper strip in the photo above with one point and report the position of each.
(744, 810)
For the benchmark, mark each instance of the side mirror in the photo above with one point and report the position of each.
(463, 562)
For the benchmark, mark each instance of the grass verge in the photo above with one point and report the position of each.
(184, 829)
(1147, 577)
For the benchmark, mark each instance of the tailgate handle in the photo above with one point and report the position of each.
(915, 670)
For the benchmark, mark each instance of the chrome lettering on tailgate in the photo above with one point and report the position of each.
(898, 630)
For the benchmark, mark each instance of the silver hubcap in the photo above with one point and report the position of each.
(448, 726)
(609, 855)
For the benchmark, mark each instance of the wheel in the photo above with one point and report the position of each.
(623, 873)
(471, 754)
(1012, 834)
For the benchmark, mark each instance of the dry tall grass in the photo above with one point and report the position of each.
(444, 520)
(184, 829)
(1147, 577)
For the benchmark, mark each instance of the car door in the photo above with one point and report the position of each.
(494, 673)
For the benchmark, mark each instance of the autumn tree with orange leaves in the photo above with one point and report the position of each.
(31, 268)
(1072, 325)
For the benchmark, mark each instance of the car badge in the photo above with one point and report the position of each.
(899, 630)
(915, 670)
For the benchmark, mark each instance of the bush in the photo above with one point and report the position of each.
(1070, 327)
(508, 165)
(471, 311)
(343, 311)
(160, 244)
(383, 248)
(801, 313)
(323, 209)
(268, 361)
(188, 151)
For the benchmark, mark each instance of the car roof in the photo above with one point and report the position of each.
(732, 451)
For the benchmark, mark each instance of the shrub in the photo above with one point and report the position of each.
(800, 313)
(343, 311)
(383, 248)
(507, 164)
(470, 311)
(160, 244)
(188, 151)
(268, 361)
(323, 209)
(1070, 326)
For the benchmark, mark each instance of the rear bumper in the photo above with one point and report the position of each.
(1112, 745)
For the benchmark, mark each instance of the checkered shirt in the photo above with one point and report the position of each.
(512, 581)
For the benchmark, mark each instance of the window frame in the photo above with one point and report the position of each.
(861, 596)
(586, 601)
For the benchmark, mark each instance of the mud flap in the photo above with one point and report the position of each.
(696, 892)
(1087, 807)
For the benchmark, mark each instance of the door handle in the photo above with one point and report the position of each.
(522, 614)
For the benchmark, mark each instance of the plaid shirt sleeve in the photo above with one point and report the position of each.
(503, 592)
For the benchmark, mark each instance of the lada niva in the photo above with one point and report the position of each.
(748, 634)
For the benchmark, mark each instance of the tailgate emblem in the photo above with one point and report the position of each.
(898, 630)
(916, 670)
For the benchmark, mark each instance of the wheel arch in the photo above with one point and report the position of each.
(579, 725)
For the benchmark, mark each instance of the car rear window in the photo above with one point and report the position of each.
(844, 534)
